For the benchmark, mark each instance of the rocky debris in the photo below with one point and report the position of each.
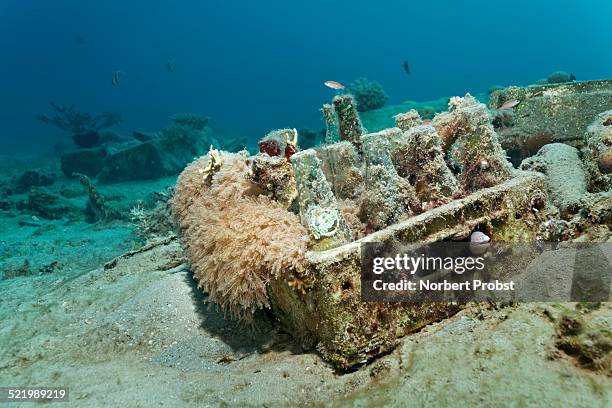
(42, 203)
(598, 152)
(31, 178)
(140, 162)
(146, 156)
(592, 223)
(84, 161)
(23, 269)
(190, 121)
(550, 113)
(597, 209)
(566, 180)
(167, 154)
(589, 345)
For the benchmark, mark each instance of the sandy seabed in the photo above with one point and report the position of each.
(138, 333)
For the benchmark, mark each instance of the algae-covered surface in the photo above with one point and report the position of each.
(138, 333)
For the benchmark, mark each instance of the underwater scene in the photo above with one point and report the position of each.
(285, 204)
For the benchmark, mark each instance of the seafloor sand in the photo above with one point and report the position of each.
(138, 334)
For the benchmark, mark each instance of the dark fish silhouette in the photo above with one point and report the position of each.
(170, 65)
(79, 40)
(572, 77)
(115, 80)
(406, 67)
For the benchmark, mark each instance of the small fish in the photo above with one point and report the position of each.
(478, 238)
(427, 121)
(509, 104)
(572, 77)
(479, 243)
(406, 67)
(115, 80)
(334, 85)
(170, 65)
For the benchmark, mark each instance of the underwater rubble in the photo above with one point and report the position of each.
(548, 113)
(112, 158)
(414, 183)
(282, 229)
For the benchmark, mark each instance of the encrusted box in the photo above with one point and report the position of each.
(348, 331)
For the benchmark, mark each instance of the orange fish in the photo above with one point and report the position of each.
(333, 85)
(509, 104)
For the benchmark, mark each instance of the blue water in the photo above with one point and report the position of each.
(254, 66)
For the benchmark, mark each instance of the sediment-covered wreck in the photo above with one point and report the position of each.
(414, 183)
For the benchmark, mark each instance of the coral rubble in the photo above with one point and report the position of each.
(45, 204)
(32, 178)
